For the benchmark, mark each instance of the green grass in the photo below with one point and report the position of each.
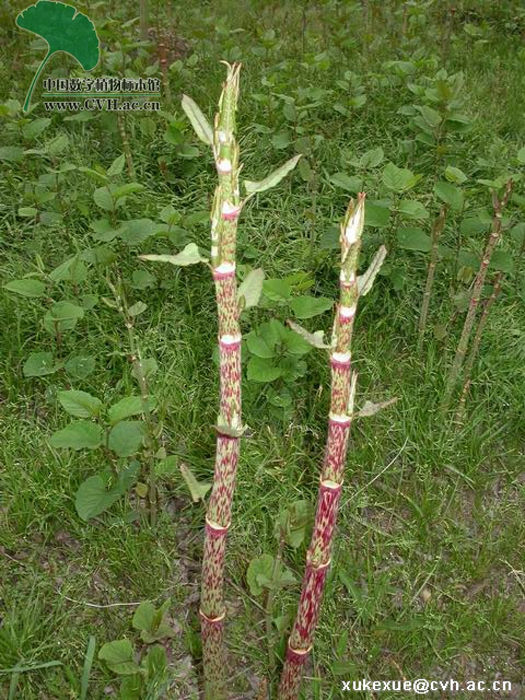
(427, 577)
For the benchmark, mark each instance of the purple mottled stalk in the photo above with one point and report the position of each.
(332, 475)
(226, 208)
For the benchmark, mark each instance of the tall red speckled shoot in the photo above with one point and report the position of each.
(332, 475)
(226, 208)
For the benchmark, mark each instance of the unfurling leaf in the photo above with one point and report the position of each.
(198, 489)
(272, 179)
(365, 281)
(315, 339)
(250, 289)
(370, 408)
(199, 122)
(189, 256)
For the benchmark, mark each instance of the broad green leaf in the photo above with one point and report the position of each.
(316, 339)
(142, 279)
(347, 182)
(136, 231)
(296, 344)
(271, 180)
(156, 661)
(26, 287)
(169, 215)
(167, 467)
(259, 569)
(126, 437)
(93, 498)
(137, 308)
(103, 198)
(71, 270)
(63, 28)
(308, 306)
(144, 616)
(80, 366)
(366, 280)
(127, 189)
(117, 166)
(64, 315)
(277, 290)
(521, 155)
(431, 116)
(372, 158)
(414, 239)
(58, 145)
(37, 126)
(13, 154)
(502, 260)
(30, 212)
(455, 175)
(189, 256)
(199, 122)
(376, 215)
(250, 289)
(80, 403)
(39, 364)
(261, 370)
(197, 489)
(259, 346)
(119, 657)
(412, 209)
(292, 523)
(449, 194)
(78, 435)
(129, 406)
(399, 179)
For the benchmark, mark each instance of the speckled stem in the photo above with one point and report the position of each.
(469, 365)
(493, 240)
(225, 212)
(332, 475)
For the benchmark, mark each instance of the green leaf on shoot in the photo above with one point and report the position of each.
(125, 438)
(39, 364)
(80, 366)
(277, 290)
(412, 209)
(455, 175)
(80, 403)
(259, 572)
(292, 523)
(308, 306)
(117, 166)
(399, 179)
(414, 239)
(129, 406)
(78, 435)
(118, 655)
(197, 489)
(26, 287)
(137, 308)
(450, 194)
(262, 370)
(351, 183)
(250, 289)
(189, 256)
(376, 215)
(271, 180)
(199, 122)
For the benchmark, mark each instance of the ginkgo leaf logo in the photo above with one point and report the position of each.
(64, 29)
